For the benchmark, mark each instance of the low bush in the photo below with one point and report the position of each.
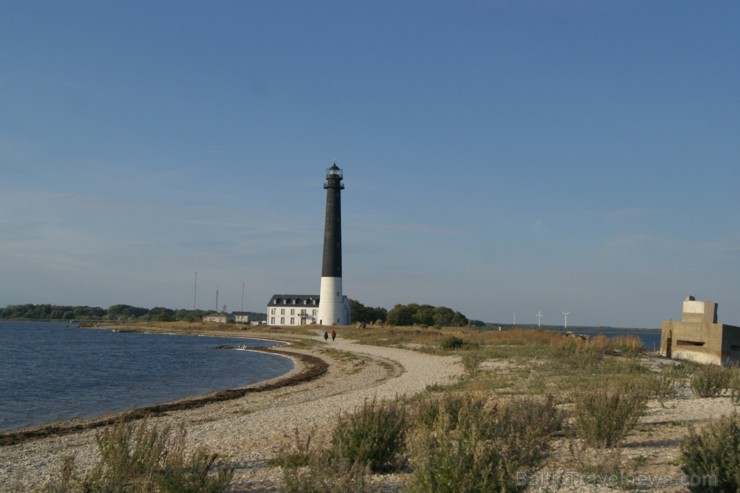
(141, 458)
(451, 343)
(374, 436)
(478, 448)
(710, 380)
(605, 416)
(711, 457)
(450, 406)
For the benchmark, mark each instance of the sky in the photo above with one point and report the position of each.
(500, 157)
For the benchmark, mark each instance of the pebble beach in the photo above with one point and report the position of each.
(250, 430)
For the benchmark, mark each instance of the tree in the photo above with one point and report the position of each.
(366, 314)
(401, 315)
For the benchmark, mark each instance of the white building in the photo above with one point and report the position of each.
(220, 318)
(293, 309)
(241, 317)
(298, 309)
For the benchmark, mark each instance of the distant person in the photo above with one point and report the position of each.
(333, 335)
(326, 335)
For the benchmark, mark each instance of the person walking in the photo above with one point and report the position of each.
(333, 335)
(326, 335)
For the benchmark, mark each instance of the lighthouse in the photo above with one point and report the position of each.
(333, 306)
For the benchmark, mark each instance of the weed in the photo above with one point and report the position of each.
(143, 458)
(471, 362)
(710, 381)
(324, 474)
(735, 384)
(711, 457)
(664, 383)
(374, 436)
(604, 416)
(297, 456)
(474, 447)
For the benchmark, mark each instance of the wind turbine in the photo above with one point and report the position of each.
(565, 314)
(539, 318)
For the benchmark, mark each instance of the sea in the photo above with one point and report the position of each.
(56, 371)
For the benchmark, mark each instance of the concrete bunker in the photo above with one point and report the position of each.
(698, 337)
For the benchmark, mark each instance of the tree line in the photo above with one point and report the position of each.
(411, 314)
(112, 313)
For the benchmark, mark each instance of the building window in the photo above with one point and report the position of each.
(282, 311)
(272, 312)
(292, 311)
(272, 321)
(282, 320)
(315, 312)
(303, 312)
(292, 321)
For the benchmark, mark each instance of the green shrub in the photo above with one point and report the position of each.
(141, 458)
(711, 457)
(605, 416)
(472, 447)
(710, 381)
(374, 436)
(451, 343)
(451, 406)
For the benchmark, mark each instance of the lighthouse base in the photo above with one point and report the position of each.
(333, 306)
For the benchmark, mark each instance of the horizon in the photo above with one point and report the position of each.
(500, 158)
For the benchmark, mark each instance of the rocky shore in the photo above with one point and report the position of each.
(253, 424)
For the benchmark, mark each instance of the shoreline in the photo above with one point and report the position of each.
(301, 363)
(250, 430)
(306, 368)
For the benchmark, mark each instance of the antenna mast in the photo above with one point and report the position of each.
(565, 314)
(195, 289)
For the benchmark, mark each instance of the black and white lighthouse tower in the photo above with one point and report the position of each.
(333, 306)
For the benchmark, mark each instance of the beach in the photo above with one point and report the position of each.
(331, 378)
(247, 431)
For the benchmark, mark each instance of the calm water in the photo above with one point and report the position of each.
(49, 371)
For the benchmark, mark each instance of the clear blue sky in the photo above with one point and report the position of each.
(500, 157)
